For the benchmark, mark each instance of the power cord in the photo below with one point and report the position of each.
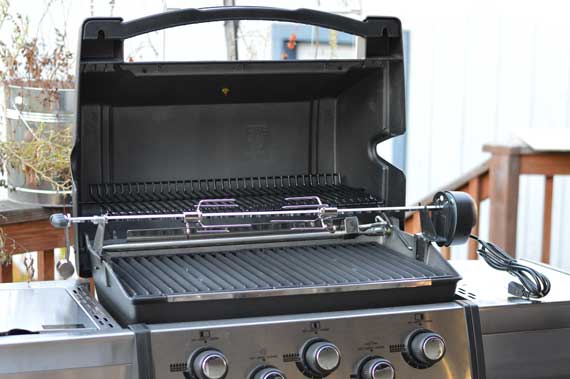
(533, 284)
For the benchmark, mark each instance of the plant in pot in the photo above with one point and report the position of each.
(36, 104)
(38, 90)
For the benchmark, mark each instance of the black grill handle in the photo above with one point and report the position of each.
(116, 29)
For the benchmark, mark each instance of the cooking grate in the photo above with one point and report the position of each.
(259, 193)
(267, 268)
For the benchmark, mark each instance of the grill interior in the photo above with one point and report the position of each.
(267, 268)
(251, 194)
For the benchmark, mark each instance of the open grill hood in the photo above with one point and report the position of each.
(154, 136)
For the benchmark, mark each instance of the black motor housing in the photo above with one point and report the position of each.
(453, 223)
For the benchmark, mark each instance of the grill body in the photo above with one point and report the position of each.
(157, 138)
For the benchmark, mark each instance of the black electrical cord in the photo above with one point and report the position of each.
(533, 284)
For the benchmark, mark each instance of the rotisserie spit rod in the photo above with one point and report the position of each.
(321, 211)
(448, 220)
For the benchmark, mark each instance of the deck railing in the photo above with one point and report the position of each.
(27, 229)
(474, 182)
(497, 179)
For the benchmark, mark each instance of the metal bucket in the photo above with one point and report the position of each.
(26, 109)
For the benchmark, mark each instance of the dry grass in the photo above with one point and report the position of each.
(43, 156)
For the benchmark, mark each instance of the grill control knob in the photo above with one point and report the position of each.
(377, 368)
(427, 347)
(268, 372)
(209, 364)
(321, 357)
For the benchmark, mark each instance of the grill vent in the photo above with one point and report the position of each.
(463, 292)
(267, 268)
(178, 366)
(291, 357)
(397, 348)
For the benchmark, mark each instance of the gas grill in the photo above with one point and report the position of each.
(234, 184)
(209, 191)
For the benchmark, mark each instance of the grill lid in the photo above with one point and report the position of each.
(158, 136)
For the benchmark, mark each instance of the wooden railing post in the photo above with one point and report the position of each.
(474, 189)
(548, 164)
(446, 252)
(6, 273)
(547, 226)
(504, 171)
(46, 264)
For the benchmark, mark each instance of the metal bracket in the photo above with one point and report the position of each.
(92, 250)
(193, 219)
(428, 229)
(351, 226)
(99, 238)
(422, 245)
(325, 214)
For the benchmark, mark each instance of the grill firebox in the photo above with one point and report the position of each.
(278, 268)
(217, 281)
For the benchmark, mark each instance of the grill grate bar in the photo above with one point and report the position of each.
(237, 273)
(228, 279)
(130, 284)
(292, 278)
(196, 284)
(164, 278)
(179, 190)
(371, 270)
(259, 271)
(252, 194)
(291, 265)
(340, 263)
(267, 268)
(406, 272)
(176, 277)
(150, 276)
(217, 281)
(326, 273)
(414, 267)
(137, 280)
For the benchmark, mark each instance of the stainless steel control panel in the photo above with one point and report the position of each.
(427, 341)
